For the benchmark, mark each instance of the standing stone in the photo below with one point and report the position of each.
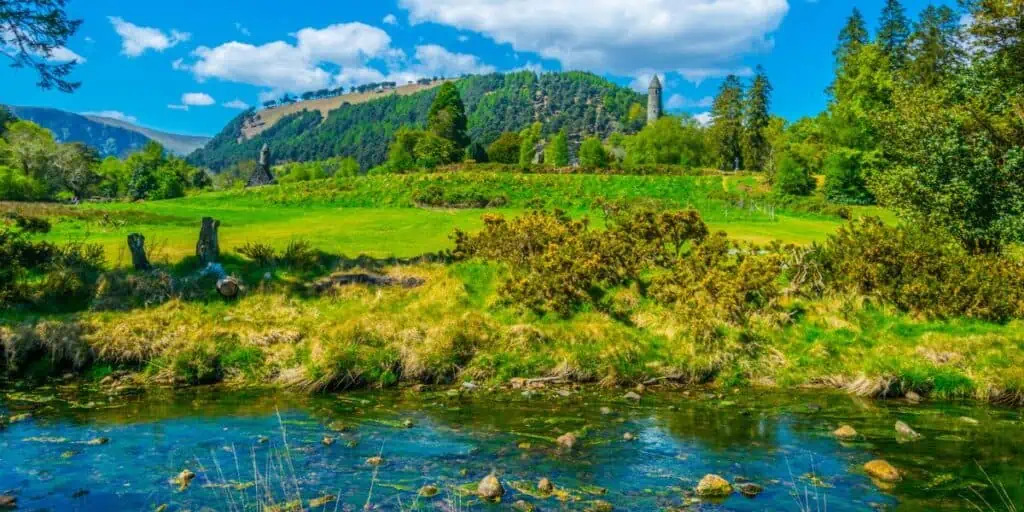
(137, 245)
(654, 103)
(262, 175)
(208, 249)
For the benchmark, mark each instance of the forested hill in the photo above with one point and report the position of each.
(70, 127)
(581, 103)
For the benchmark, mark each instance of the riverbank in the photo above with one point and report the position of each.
(454, 328)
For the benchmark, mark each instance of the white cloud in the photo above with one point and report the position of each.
(698, 74)
(436, 60)
(178, 107)
(678, 101)
(112, 114)
(704, 118)
(62, 54)
(617, 36)
(642, 81)
(390, 19)
(237, 104)
(135, 40)
(197, 99)
(242, 29)
(283, 66)
(179, 65)
(463, 38)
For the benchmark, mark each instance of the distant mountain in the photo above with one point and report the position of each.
(111, 137)
(581, 103)
(173, 142)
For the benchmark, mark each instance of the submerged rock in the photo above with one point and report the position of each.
(968, 420)
(905, 433)
(327, 441)
(99, 441)
(912, 397)
(629, 436)
(375, 461)
(428, 491)
(845, 432)
(184, 479)
(632, 396)
(545, 486)
(567, 441)
(882, 471)
(323, 500)
(600, 506)
(523, 506)
(490, 488)
(408, 424)
(749, 489)
(713, 486)
(8, 501)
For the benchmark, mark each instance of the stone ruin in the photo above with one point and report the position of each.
(262, 175)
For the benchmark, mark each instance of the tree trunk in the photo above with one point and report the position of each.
(207, 249)
(137, 244)
(228, 287)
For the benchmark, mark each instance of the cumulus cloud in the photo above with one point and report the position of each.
(197, 99)
(617, 36)
(112, 114)
(678, 101)
(237, 104)
(59, 54)
(390, 19)
(135, 40)
(285, 66)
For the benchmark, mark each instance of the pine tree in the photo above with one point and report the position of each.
(756, 119)
(935, 45)
(851, 37)
(894, 33)
(727, 124)
(447, 118)
(557, 152)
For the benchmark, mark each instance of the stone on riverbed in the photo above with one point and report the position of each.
(845, 432)
(600, 506)
(327, 441)
(545, 486)
(904, 433)
(99, 441)
(490, 488)
(882, 471)
(567, 441)
(184, 479)
(749, 489)
(629, 436)
(375, 461)
(632, 396)
(428, 491)
(8, 502)
(713, 486)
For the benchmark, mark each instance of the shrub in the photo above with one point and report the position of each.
(263, 254)
(556, 153)
(198, 364)
(792, 179)
(593, 155)
(300, 255)
(923, 270)
(432, 150)
(506, 149)
(477, 153)
(473, 196)
(71, 274)
(120, 290)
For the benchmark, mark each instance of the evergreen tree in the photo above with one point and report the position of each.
(477, 152)
(758, 103)
(727, 124)
(894, 33)
(853, 35)
(527, 150)
(447, 117)
(935, 45)
(5, 117)
(32, 31)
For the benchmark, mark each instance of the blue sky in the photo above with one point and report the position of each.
(188, 66)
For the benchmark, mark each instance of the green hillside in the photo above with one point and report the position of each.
(579, 102)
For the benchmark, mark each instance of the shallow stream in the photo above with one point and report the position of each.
(260, 450)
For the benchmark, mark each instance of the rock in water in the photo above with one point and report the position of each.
(8, 501)
(632, 396)
(750, 490)
(490, 488)
(845, 432)
(567, 441)
(912, 397)
(968, 420)
(327, 441)
(428, 491)
(183, 479)
(905, 433)
(629, 436)
(713, 486)
(545, 486)
(600, 506)
(882, 470)
(99, 441)
(375, 461)
(523, 506)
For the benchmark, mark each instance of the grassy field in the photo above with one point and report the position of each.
(456, 326)
(377, 216)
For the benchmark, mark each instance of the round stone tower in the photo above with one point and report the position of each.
(654, 100)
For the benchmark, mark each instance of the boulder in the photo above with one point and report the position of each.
(567, 441)
(99, 441)
(912, 397)
(490, 488)
(882, 471)
(713, 486)
(845, 432)
(184, 479)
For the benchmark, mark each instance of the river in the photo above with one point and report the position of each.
(262, 450)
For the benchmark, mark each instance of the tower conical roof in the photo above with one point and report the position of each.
(655, 83)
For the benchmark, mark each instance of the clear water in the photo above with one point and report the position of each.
(780, 441)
